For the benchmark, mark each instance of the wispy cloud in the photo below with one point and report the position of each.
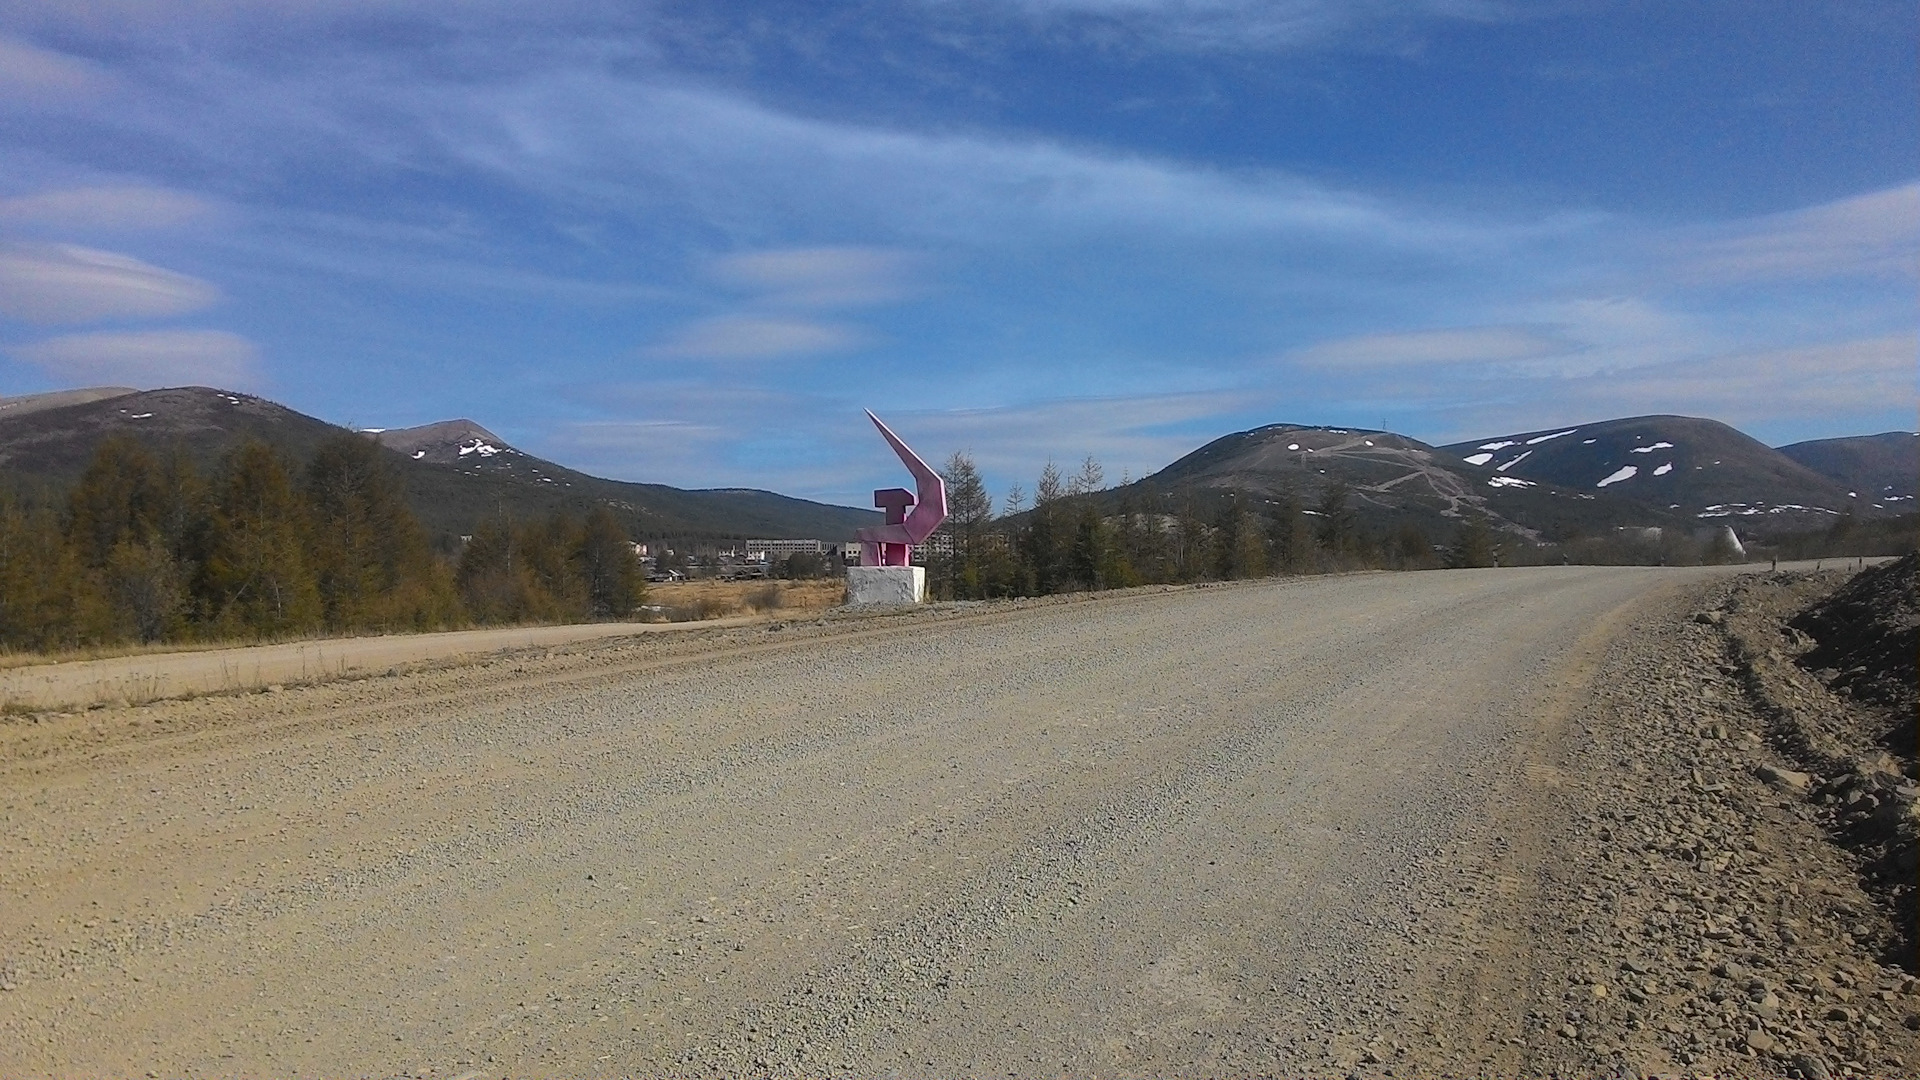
(1250, 25)
(127, 206)
(1134, 434)
(587, 139)
(1462, 345)
(66, 283)
(30, 75)
(749, 337)
(1833, 384)
(1875, 234)
(822, 277)
(148, 358)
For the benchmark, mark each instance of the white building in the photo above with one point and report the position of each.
(780, 549)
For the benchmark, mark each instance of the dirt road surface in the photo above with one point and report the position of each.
(1279, 828)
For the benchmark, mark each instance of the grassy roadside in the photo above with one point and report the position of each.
(693, 601)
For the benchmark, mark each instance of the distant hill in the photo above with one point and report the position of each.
(1391, 478)
(1701, 469)
(33, 403)
(49, 445)
(1881, 470)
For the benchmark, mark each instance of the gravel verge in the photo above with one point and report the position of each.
(1727, 895)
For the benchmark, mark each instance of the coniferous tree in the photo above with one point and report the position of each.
(117, 500)
(1089, 479)
(609, 567)
(1411, 548)
(1336, 525)
(48, 599)
(370, 555)
(1043, 546)
(144, 585)
(256, 578)
(1192, 540)
(551, 550)
(969, 512)
(1473, 545)
(494, 585)
(1240, 551)
(1289, 537)
(180, 510)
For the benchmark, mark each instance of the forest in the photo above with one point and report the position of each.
(146, 549)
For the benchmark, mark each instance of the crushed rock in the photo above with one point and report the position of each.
(1726, 899)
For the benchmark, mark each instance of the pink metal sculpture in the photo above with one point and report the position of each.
(891, 544)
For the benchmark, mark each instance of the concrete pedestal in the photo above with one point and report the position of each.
(888, 585)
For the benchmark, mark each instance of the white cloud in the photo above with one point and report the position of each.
(1842, 383)
(750, 337)
(588, 139)
(821, 276)
(1246, 25)
(1132, 434)
(1873, 234)
(1461, 345)
(1613, 333)
(65, 283)
(129, 206)
(148, 358)
(34, 75)
(1836, 379)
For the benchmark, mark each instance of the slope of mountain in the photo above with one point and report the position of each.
(449, 489)
(464, 448)
(1881, 470)
(33, 403)
(1390, 477)
(1700, 468)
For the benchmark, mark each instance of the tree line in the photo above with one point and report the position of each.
(1066, 540)
(144, 548)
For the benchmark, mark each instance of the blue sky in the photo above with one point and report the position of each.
(688, 242)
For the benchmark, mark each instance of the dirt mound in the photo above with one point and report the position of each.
(1867, 635)
(1834, 675)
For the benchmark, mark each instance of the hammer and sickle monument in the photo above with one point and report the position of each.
(886, 574)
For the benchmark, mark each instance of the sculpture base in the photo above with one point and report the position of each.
(886, 585)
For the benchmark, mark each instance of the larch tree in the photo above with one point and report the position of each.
(256, 577)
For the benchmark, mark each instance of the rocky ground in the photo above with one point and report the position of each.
(1732, 894)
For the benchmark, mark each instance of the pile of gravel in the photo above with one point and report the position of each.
(1866, 636)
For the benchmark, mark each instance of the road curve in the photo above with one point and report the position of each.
(1233, 831)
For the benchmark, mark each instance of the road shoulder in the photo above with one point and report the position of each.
(1696, 916)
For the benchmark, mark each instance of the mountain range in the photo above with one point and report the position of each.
(1548, 484)
(1556, 484)
(457, 473)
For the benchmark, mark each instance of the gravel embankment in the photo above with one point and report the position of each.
(1711, 917)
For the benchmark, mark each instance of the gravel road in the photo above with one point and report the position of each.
(1279, 828)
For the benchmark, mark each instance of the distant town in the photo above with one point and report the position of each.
(764, 558)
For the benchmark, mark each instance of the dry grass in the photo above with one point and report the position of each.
(690, 600)
(682, 602)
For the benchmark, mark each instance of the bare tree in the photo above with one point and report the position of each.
(1050, 486)
(1016, 500)
(1090, 478)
